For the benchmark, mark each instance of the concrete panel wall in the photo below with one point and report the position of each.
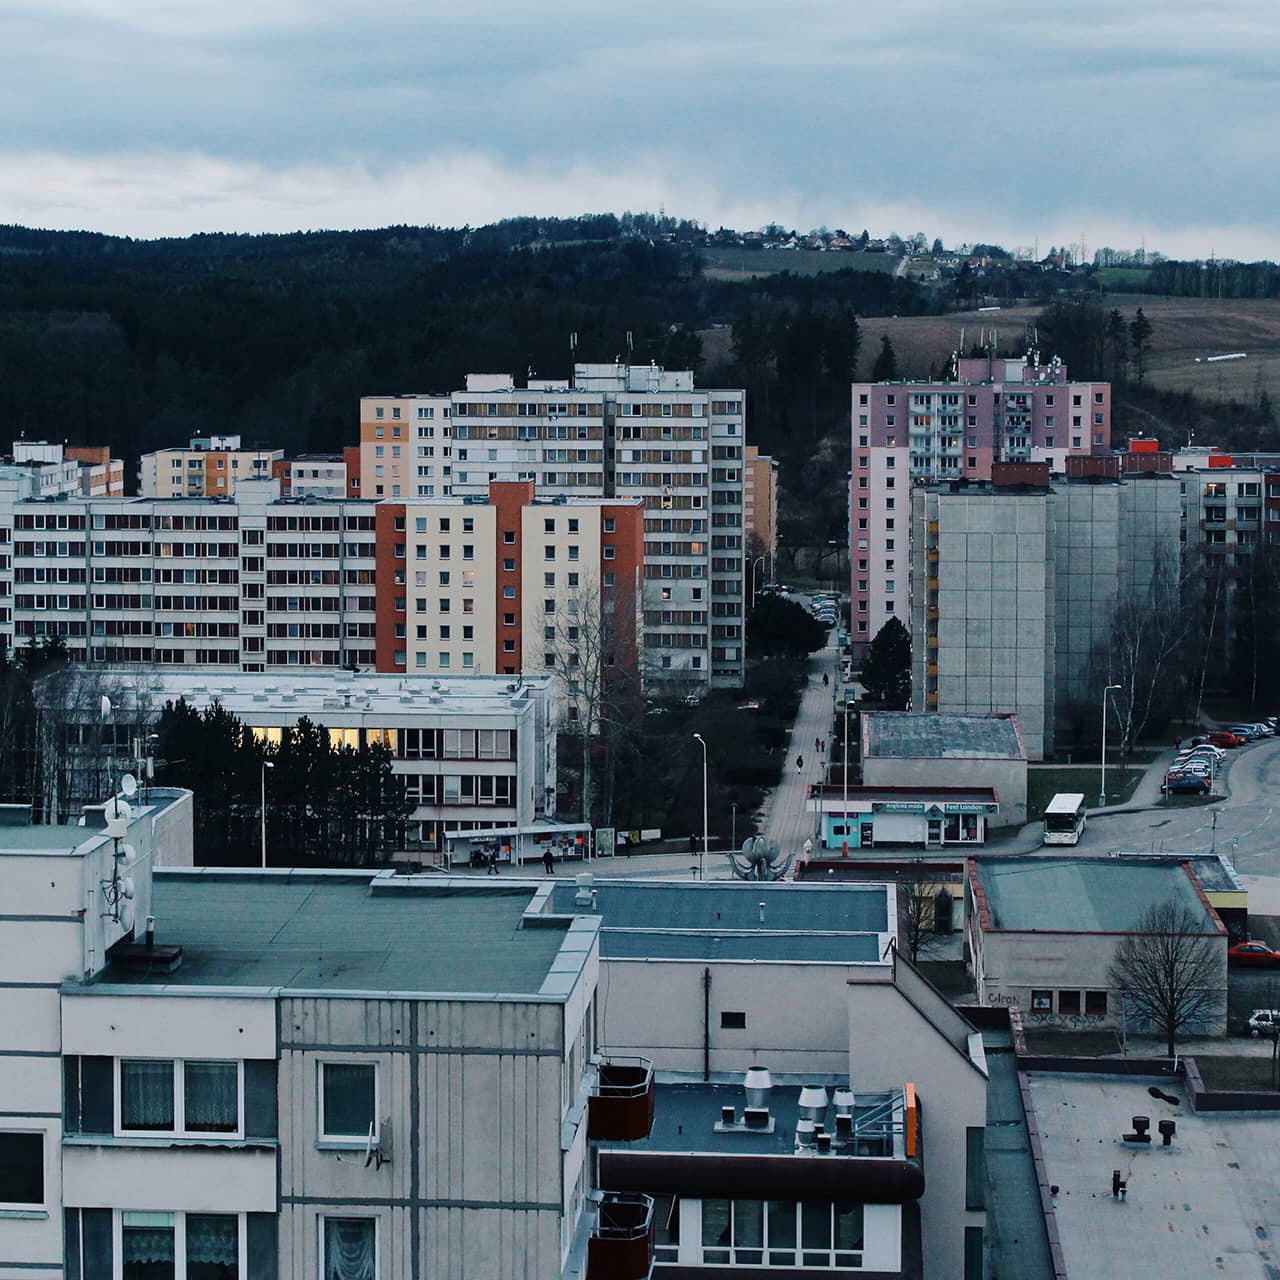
(165, 1025)
(656, 1009)
(154, 1178)
(1009, 777)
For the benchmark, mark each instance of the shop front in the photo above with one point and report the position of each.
(879, 817)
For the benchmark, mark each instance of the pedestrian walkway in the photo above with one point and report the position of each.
(785, 817)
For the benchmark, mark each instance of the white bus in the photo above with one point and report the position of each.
(1064, 818)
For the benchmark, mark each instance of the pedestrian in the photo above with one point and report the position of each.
(817, 744)
(799, 763)
(693, 843)
(826, 680)
(548, 860)
(493, 861)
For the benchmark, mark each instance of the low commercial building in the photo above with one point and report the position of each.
(865, 817)
(1042, 933)
(923, 749)
(478, 754)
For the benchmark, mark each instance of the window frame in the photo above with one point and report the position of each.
(179, 1217)
(179, 1132)
(346, 1142)
(321, 1219)
(12, 1208)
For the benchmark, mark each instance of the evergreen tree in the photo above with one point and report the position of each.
(1140, 339)
(885, 368)
(886, 673)
(1117, 340)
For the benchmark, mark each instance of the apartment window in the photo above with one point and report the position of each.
(508, 646)
(196, 1246)
(508, 593)
(348, 1102)
(509, 537)
(609, 553)
(973, 462)
(1042, 1001)
(609, 578)
(1068, 1002)
(379, 412)
(548, 580)
(733, 1020)
(509, 564)
(1075, 442)
(755, 1232)
(1095, 1003)
(159, 1095)
(609, 524)
(1048, 442)
(350, 1248)
(975, 1170)
(21, 1169)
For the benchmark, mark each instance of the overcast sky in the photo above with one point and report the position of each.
(1103, 119)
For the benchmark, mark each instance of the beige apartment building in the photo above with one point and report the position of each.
(612, 431)
(760, 504)
(210, 467)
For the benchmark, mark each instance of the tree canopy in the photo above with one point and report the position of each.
(781, 628)
(886, 673)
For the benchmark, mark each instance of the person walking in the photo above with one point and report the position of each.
(826, 680)
(799, 764)
(817, 744)
(493, 861)
(548, 861)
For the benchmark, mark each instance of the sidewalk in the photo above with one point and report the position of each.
(784, 816)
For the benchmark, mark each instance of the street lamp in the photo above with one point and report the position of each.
(266, 764)
(702, 861)
(757, 561)
(1102, 787)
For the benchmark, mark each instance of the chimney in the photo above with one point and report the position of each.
(758, 1085)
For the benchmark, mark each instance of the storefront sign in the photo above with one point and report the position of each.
(899, 806)
(968, 808)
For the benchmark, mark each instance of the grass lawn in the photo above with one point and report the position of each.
(1074, 1044)
(1230, 1071)
(1044, 784)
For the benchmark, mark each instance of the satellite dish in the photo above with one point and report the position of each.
(125, 852)
(123, 811)
(126, 915)
(129, 785)
(128, 890)
(106, 707)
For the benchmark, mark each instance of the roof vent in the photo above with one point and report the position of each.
(758, 1085)
(805, 1130)
(842, 1099)
(584, 880)
(813, 1102)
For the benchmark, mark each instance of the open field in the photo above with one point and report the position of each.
(733, 263)
(1184, 328)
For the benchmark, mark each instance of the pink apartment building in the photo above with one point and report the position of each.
(995, 410)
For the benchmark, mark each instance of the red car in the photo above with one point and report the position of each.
(1224, 739)
(1256, 955)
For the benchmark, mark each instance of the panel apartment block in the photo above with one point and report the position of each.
(906, 433)
(1020, 587)
(612, 431)
(210, 467)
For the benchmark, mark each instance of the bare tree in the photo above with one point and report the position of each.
(1144, 651)
(597, 648)
(923, 896)
(1169, 970)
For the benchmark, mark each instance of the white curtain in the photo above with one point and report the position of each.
(146, 1094)
(213, 1244)
(349, 1249)
(211, 1096)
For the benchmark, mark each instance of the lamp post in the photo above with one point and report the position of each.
(759, 560)
(266, 764)
(702, 861)
(1102, 784)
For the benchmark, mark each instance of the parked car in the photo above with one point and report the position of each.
(1254, 955)
(1206, 749)
(1246, 731)
(1185, 784)
(1264, 1022)
(1223, 738)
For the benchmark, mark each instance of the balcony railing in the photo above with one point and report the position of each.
(622, 1100)
(621, 1242)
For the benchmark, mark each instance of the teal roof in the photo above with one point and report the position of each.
(1081, 895)
(339, 932)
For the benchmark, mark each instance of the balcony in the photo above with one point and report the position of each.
(931, 698)
(931, 612)
(931, 670)
(931, 554)
(931, 641)
(622, 1100)
(931, 583)
(621, 1242)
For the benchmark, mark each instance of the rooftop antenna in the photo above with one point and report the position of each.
(573, 343)
(630, 345)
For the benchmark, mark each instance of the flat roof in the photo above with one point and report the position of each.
(1206, 1205)
(69, 837)
(1215, 873)
(716, 908)
(932, 735)
(639, 944)
(686, 1115)
(339, 931)
(953, 795)
(1083, 894)
(258, 697)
